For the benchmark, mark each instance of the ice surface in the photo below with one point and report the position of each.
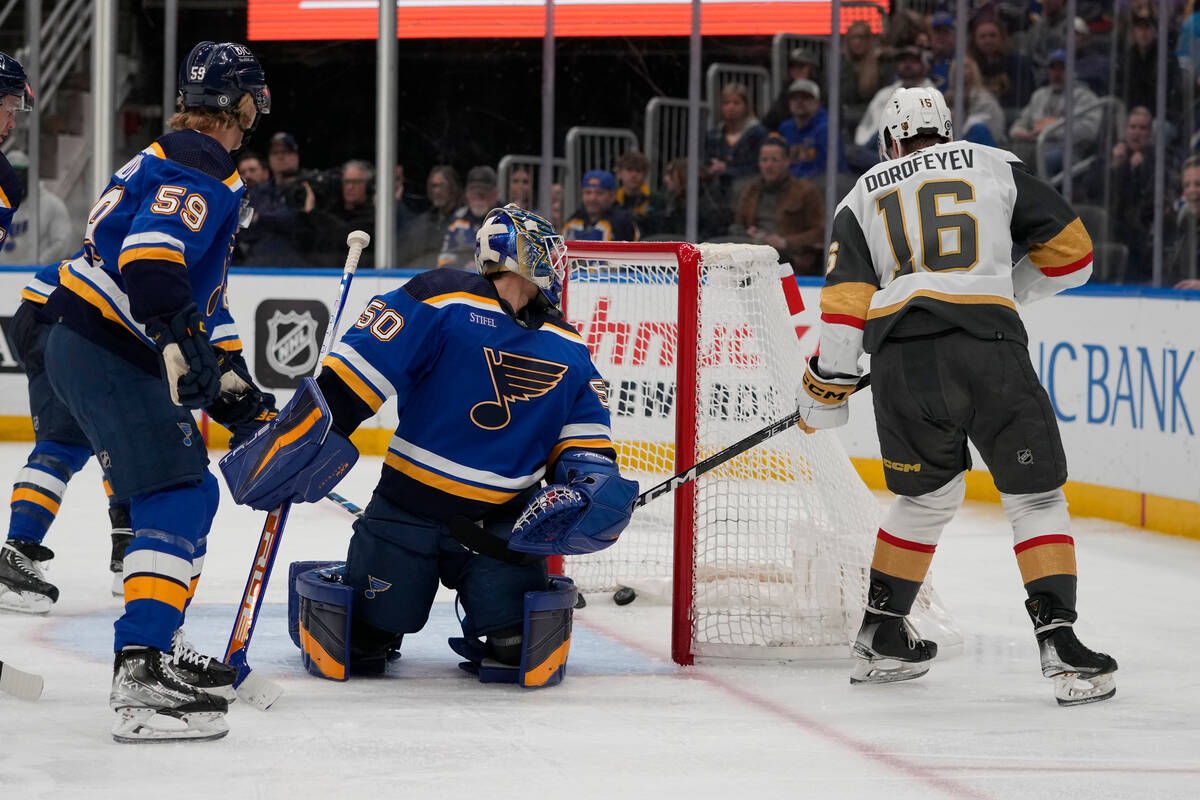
(626, 723)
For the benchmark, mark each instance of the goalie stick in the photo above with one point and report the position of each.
(472, 536)
(18, 683)
(252, 688)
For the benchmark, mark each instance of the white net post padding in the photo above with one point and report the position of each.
(779, 538)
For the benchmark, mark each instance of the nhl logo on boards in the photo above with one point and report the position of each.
(287, 340)
(1025, 456)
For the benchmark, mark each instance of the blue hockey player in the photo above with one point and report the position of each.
(142, 335)
(61, 447)
(496, 393)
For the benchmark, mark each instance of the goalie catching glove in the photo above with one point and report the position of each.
(821, 402)
(583, 511)
(297, 456)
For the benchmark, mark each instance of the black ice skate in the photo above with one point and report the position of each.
(154, 705)
(1080, 675)
(23, 584)
(200, 671)
(887, 648)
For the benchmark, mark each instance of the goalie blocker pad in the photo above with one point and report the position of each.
(298, 456)
(319, 614)
(583, 511)
(545, 642)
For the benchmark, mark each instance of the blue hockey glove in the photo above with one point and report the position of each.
(583, 511)
(192, 372)
(822, 401)
(298, 456)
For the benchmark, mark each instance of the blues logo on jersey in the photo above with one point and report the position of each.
(515, 378)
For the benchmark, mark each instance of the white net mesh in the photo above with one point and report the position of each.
(782, 534)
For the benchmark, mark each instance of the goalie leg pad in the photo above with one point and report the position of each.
(545, 641)
(297, 456)
(325, 606)
(295, 570)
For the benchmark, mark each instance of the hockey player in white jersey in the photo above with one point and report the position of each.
(919, 274)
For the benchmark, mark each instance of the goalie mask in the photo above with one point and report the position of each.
(914, 112)
(512, 239)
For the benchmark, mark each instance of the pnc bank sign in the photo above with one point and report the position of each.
(284, 20)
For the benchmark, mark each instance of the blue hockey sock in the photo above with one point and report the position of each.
(39, 488)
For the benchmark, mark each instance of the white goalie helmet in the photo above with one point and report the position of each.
(914, 112)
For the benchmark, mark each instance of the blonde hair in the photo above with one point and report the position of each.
(210, 119)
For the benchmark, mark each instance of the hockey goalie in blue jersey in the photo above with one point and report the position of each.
(141, 336)
(496, 394)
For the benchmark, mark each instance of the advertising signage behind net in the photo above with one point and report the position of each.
(281, 20)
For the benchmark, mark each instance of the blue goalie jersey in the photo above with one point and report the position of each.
(486, 405)
(159, 237)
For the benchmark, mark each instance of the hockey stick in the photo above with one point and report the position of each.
(19, 683)
(254, 689)
(465, 531)
(721, 456)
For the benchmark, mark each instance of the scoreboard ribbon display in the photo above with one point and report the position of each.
(282, 20)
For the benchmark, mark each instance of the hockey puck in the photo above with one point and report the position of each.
(624, 596)
(580, 601)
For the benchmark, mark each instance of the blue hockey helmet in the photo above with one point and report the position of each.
(512, 239)
(216, 75)
(14, 82)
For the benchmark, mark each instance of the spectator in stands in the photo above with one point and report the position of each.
(667, 219)
(353, 210)
(1131, 212)
(1188, 49)
(941, 49)
(458, 246)
(1137, 72)
(1091, 61)
(781, 210)
(556, 206)
(1006, 74)
(421, 242)
(599, 218)
(912, 69)
(1181, 269)
(863, 73)
(807, 130)
(802, 63)
(1045, 108)
(279, 235)
(408, 205)
(520, 188)
(1048, 32)
(252, 169)
(732, 146)
(56, 238)
(984, 121)
(633, 193)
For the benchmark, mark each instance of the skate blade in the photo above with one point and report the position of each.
(1073, 689)
(148, 726)
(885, 670)
(24, 602)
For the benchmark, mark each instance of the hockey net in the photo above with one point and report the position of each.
(766, 556)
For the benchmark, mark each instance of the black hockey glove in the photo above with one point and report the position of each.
(193, 375)
(241, 406)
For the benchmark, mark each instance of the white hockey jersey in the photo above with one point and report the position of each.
(936, 230)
